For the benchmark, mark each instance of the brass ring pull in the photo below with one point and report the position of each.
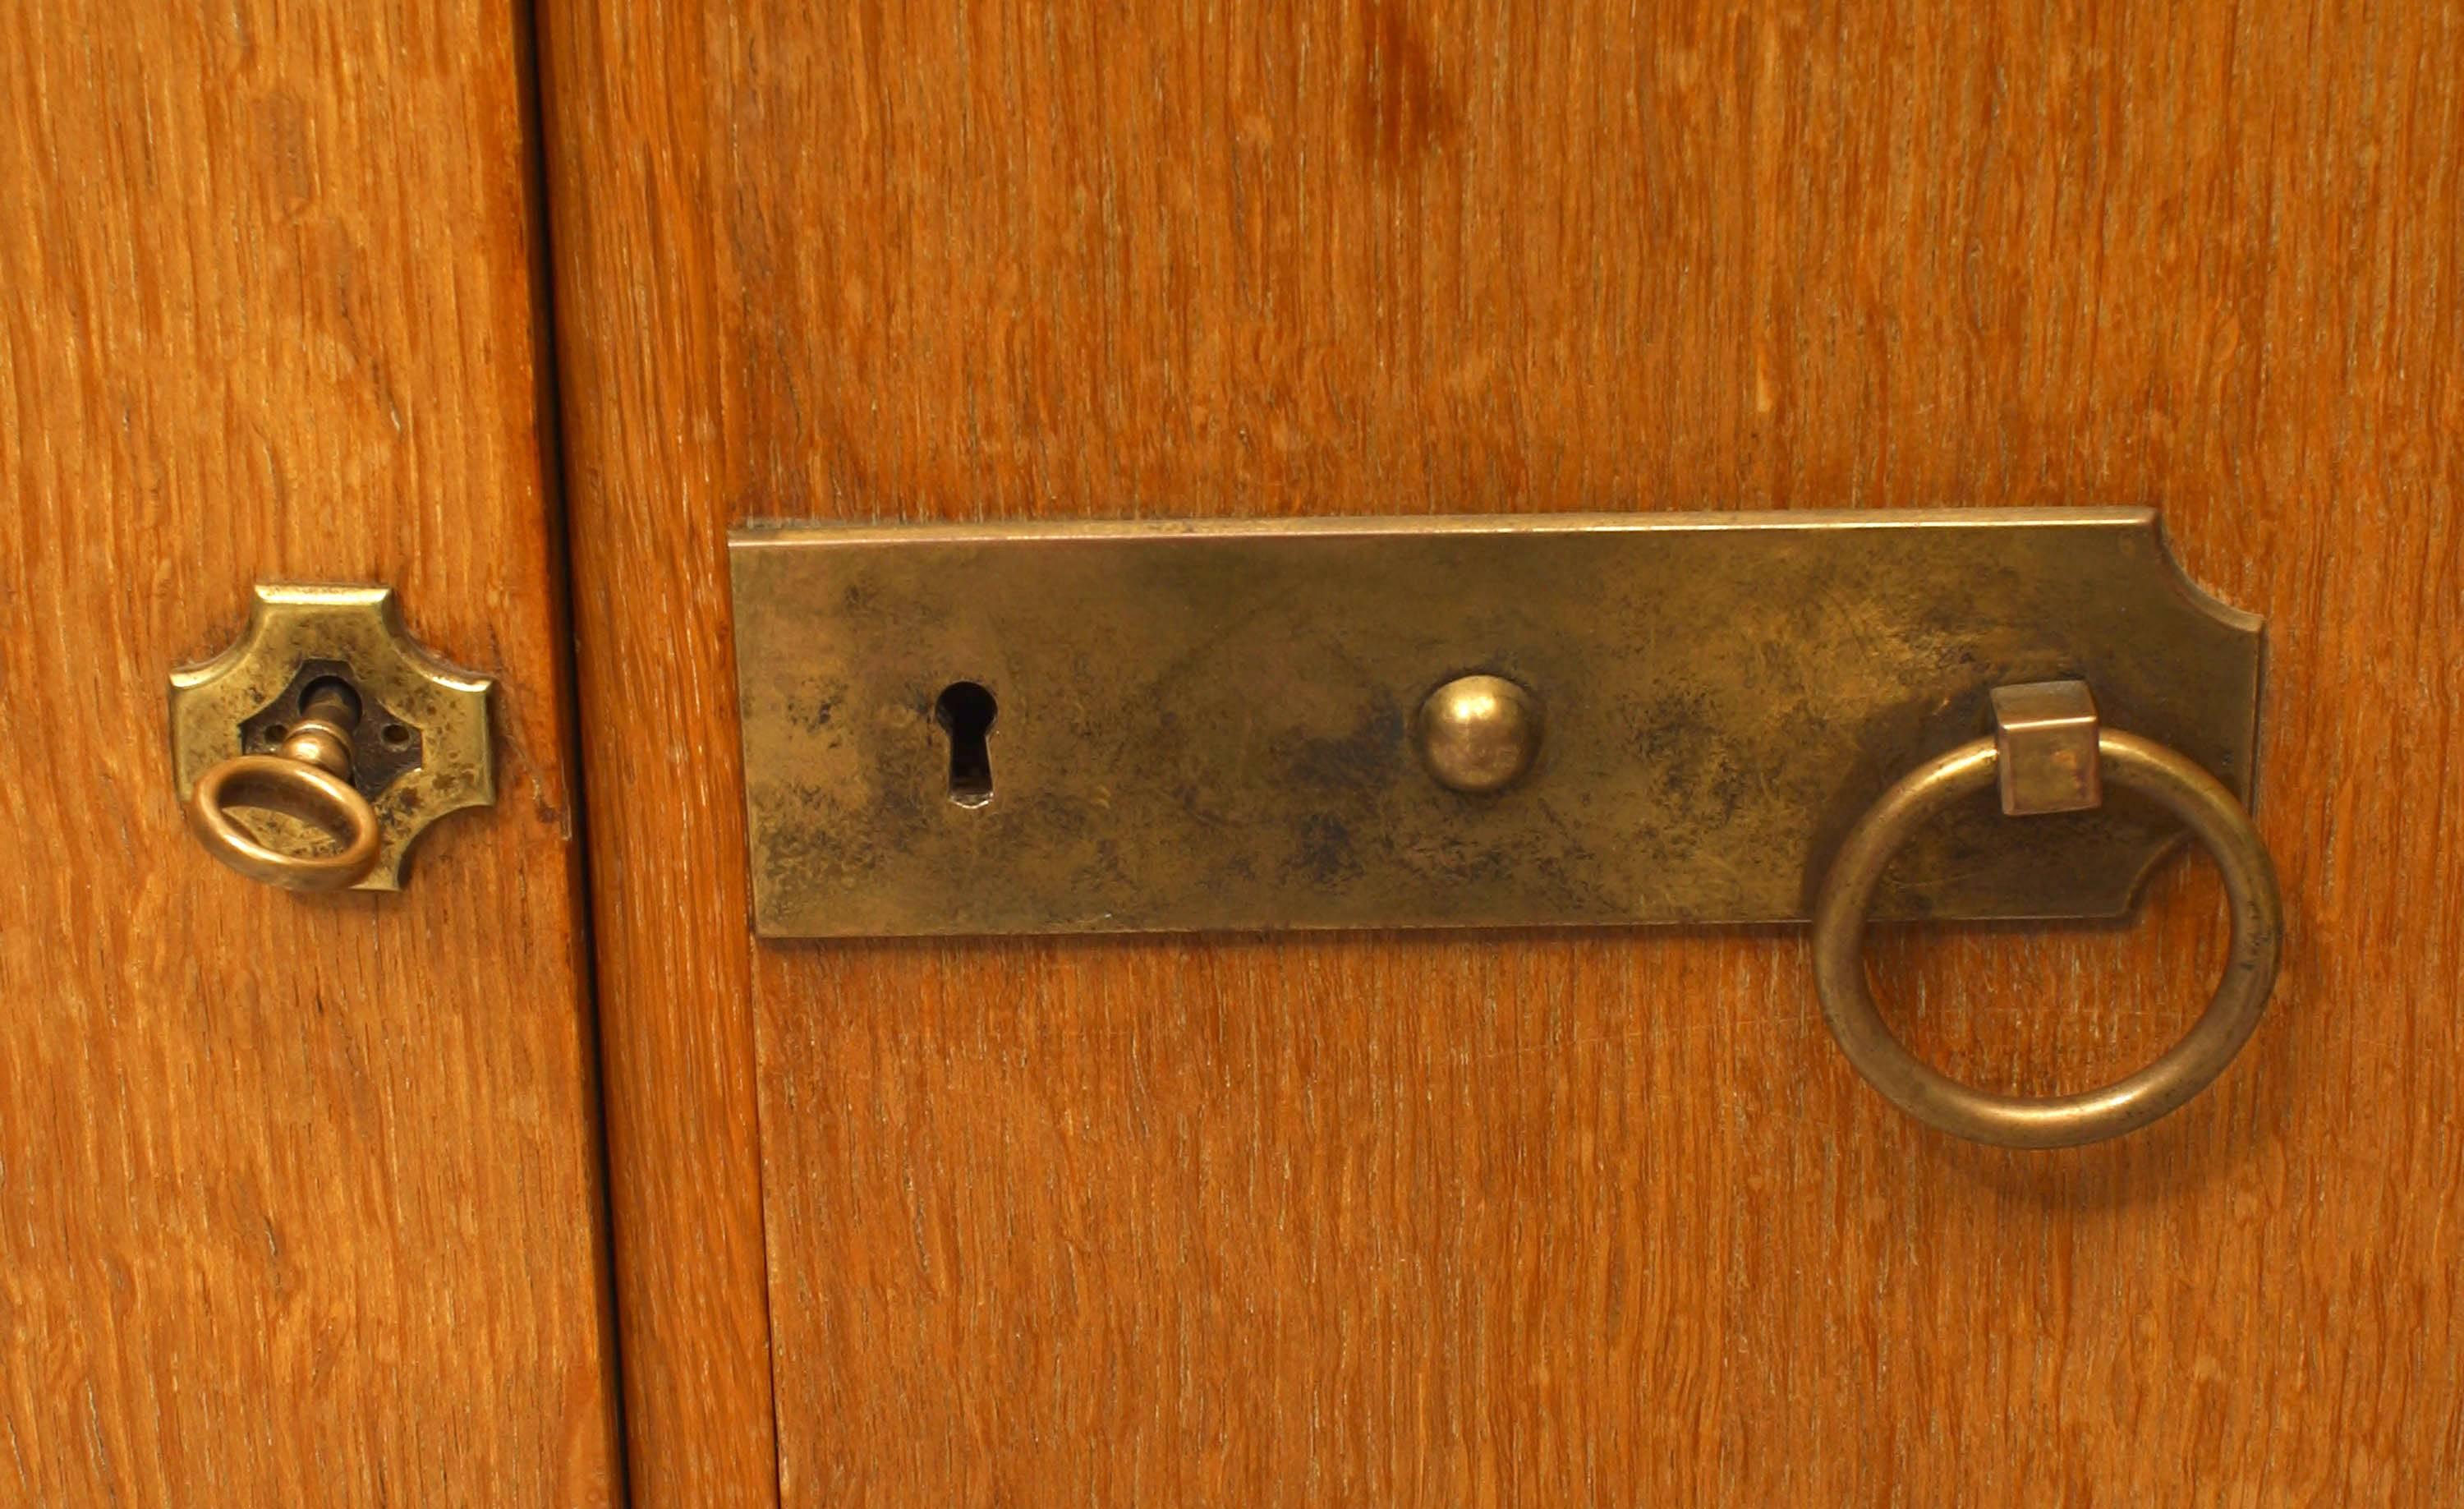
(308, 779)
(2204, 805)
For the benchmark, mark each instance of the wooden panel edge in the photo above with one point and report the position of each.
(636, 271)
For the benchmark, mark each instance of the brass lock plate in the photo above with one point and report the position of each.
(422, 744)
(1144, 726)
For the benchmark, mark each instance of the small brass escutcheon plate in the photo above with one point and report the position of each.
(423, 742)
(1147, 726)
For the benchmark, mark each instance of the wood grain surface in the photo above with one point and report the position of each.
(300, 1199)
(1526, 1219)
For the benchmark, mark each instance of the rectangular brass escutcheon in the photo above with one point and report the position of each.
(1573, 719)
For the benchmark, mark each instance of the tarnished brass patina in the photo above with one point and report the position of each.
(1210, 725)
(340, 737)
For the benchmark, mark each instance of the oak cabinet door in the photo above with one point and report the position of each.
(299, 1196)
(1523, 1219)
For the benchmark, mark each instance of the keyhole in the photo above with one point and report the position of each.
(965, 713)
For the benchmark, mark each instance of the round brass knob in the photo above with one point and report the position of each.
(307, 779)
(2203, 805)
(1479, 733)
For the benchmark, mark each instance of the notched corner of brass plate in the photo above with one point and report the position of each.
(422, 747)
